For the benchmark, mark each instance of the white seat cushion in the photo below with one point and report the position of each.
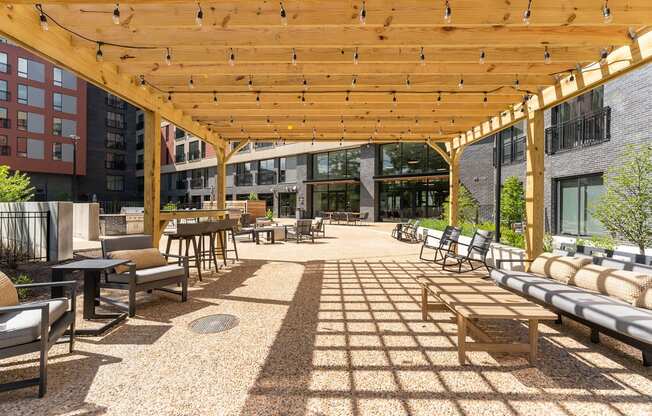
(149, 275)
(25, 326)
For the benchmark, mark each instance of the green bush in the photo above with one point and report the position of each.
(253, 196)
(22, 279)
(467, 206)
(14, 187)
(548, 243)
(170, 206)
(269, 214)
(512, 201)
(512, 238)
(604, 242)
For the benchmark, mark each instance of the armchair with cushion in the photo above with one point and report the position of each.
(149, 269)
(302, 230)
(34, 327)
(318, 226)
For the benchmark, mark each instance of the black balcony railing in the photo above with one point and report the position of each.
(5, 68)
(179, 158)
(140, 125)
(182, 184)
(197, 183)
(140, 145)
(592, 129)
(5, 123)
(140, 165)
(115, 102)
(5, 150)
(116, 124)
(246, 179)
(196, 155)
(116, 145)
(115, 164)
(5, 95)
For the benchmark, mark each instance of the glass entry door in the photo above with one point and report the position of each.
(287, 204)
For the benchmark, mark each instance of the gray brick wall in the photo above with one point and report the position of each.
(367, 183)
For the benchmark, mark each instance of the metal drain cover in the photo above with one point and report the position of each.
(214, 323)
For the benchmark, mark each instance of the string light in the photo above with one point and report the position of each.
(527, 14)
(631, 33)
(99, 56)
(294, 57)
(439, 99)
(42, 19)
(231, 121)
(258, 99)
(303, 122)
(408, 84)
(305, 84)
(143, 84)
(378, 123)
(168, 57)
(169, 95)
(394, 100)
(547, 59)
(517, 83)
(422, 57)
(116, 14)
(215, 97)
(346, 97)
(448, 13)
(191, 83)
(460, 85)
(482, 57)
(231, 57)
(452, 121)
(354, 81)
(356, 56)
(199, 18)
(303, 98)
(250, 83)
(269, 121)
(284, 15)
(604, 53)
(485, 101)
(606, 12)
(341, 139)
(363, 14)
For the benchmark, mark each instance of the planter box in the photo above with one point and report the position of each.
(254, 208)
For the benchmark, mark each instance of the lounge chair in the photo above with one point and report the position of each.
(34, 327)
(409, 232)
(441, 245)
(476, 252)
(143, 279)
(399, 228)
(302, 230)
(318, 227)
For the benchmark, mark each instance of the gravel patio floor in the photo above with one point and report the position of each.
(332, 328)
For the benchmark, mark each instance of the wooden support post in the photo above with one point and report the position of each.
(152, 175)
(454, 185)
(221, 178)
(534, 193)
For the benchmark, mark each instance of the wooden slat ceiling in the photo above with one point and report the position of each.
(262, 95)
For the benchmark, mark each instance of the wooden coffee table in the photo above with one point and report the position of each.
(470, 299)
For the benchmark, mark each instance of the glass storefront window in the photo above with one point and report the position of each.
(266, 173)
(391, 156)
(411, 199)
(576, 199)
(320, 166)
(335, 198)
(410, 159)
(336, 165)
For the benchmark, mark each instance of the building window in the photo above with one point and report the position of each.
(140, 161)
(57, 101)
(179, 134)
(266, 173)
(115, 183)
(411, 199)
(22, 67)
(410, 159)
(22, 94)
(115, 120)
(57, 126)
(56, 151)
(4, 93)
(5, 150)
(243, 174)
(57, 77)
(4, 65)
(115, 102)
(21, 147)
(140, 122)
(21, 120)
(115, 161)
(115, 141)
(194, 153)
(263, 145)
(179, 154)
(337, 164)
(574, 203)
(140, 141)
(335, 198)
(512, 141)
(4, 119)
(282, 162)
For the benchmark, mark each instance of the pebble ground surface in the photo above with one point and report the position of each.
(330, 328)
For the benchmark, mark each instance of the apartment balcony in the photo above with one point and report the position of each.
(197, 183)
(5, 150)
(5, 95)
(5, 123)
(116, 145)
(115, 164)
(182, 184)
(193, 156)
(584, 131)
(140, 165)
(115, 124)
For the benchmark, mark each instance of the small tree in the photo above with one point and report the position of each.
(512, 201)
(467, 206)
(253, 196)
(14, 187)
(625, 209)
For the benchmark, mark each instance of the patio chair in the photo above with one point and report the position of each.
(399, 227)
(476, 252)
(302, 230)
(143, 279)
(409, 232)
(34, 327)
(441, 245)
(318, 227)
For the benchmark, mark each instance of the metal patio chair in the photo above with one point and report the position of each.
(476, 253)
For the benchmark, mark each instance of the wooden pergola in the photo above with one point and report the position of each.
(446, 73)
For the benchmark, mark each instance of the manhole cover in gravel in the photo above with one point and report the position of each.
(214, 323)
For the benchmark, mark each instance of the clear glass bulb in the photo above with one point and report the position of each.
(284, 15)
(44, 23)
(116, 15)
(606, 13)
(363, 14)
(199, 19)
(482, 57)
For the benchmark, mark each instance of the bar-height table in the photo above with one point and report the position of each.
(92, 269)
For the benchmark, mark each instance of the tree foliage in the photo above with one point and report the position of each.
(512, 201)
(625, 208)
(14, 187)
(467, 206)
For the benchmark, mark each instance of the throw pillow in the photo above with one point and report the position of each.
(143, 258)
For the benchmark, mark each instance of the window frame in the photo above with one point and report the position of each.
(57, 150)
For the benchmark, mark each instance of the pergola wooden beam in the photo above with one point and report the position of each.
(20, 23)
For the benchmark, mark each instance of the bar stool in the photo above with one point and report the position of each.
(208, 253)
(188, 233)
(223, 228)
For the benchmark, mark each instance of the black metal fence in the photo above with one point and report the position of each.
(592, 129)
(114, 207)
(24, 236)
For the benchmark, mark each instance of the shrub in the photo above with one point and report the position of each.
(467, 206)
(548, 243)
(170, 206)
(512, 238)
(22, 279)
(269, 214)
(14, 187)
(253, 196)
(512, 201)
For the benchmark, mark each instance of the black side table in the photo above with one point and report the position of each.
(267, 230)
(92, 269)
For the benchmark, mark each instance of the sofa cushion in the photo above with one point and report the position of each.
(560, 268)
(619, 284)
(645, 300)
(149, 275)
(8, 293)
(596, 308)
(143, 258)
(25, 326)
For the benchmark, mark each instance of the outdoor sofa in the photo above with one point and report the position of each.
(609, 296)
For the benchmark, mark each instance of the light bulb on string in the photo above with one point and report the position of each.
(303, 122)
(191, 83)
(294, 57)
(527, 14)
(303, 98)
(547, 58)
(284, 15)
(448, 13)
(250, 83)
(460, 85)
(394, 100)
(199, 17)
(517, 83)
(99, 56)
(422, 57)
(269, 121)
(485, 101)
(356, 56)
(231, 57)
(168, 57)
(258, 99)
(363, 14)
(43, 20)
(439, 99)
(143, 83)
(354, 81)
(606, 12)
(408, 84)
(483, 55)
(116, 14)
(604, 54)
(169, 95)
(305, 84)
(215, 98)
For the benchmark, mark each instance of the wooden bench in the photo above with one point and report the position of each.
(471, 298)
